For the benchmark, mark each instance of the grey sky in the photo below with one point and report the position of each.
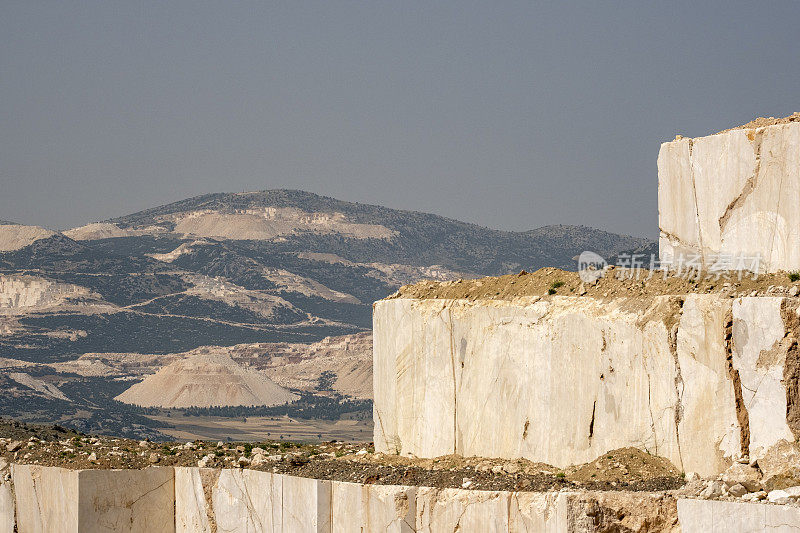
(510, 115)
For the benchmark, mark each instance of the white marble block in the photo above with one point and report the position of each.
(191, 507)
(57, 499)
(46, 498)
(306, 504)
(126, 500)
(736, 192)
(564, 380)
(386, 508)
(462, 510)
(249, 501)
(710, 516)
(7, 513)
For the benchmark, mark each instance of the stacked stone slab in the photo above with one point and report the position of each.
(58, 499)
(736, 192)
(310, 505)
(700, 379)
(8, 513)
(184, 500)
(708, 516)
(50, 499)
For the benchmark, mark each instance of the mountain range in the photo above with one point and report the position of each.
(88, 312)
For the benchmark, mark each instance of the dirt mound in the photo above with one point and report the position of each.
(549, 282)
(624, 464)
(761, 122)
(206, 380)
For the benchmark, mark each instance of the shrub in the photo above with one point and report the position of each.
(554, 286)
(794, 276)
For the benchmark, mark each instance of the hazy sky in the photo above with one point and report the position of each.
(507, 114)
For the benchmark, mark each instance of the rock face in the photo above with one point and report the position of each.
(192, 511)
(704, 516)
(196, 500)
(205, 380)
(7, 511)
(271, 222)
(735, 192)
(105, 230)
(57, 499)
(46, 498)
(262, 501)
(698, 379)
(27, 293)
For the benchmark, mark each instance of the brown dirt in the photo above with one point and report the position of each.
(791, 368)
(626, 469)
(761, 122)
(625, 463)
(615, 283)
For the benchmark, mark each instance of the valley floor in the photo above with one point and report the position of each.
(256, 428)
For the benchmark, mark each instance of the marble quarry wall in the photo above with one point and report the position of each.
(206, 500)
(709, 516)
(199, 500)
(702, 380)
(736, 192)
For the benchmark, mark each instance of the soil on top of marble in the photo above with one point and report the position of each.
(762, 122)
(624, 469)
(617, 282)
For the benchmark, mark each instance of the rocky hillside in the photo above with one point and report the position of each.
(260, 268)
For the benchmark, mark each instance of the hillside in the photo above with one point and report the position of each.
(16, 236)
(259, 269)
(418, 239)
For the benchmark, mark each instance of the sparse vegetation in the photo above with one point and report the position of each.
(326, 381)
(555, 286)
(307, 407)
(794, 276)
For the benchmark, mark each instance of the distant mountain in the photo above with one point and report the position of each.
(278, 266)
(419, 239)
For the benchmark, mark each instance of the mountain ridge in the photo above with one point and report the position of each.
(271, 272)
(422, 239)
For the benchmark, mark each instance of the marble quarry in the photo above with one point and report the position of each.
(735, 193)
(199, 500)
(701, 379)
